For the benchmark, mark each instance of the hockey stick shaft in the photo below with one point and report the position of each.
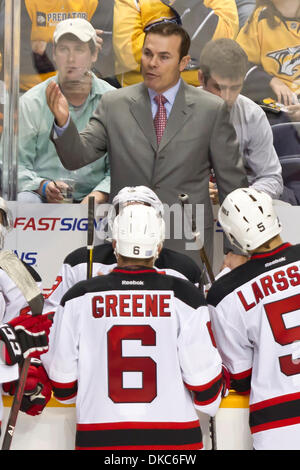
(90, 236)
(14, 411)
(36, 305)
(184, 198)
(207, 264)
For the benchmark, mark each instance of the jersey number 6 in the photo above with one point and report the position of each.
(119, 364)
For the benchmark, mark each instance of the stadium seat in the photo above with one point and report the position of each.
(287, 138)
(287, 145)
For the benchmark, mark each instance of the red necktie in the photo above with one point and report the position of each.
(160, 120)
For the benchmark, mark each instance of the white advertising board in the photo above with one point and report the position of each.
(45, 233)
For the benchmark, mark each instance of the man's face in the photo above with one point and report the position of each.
(226, 88)
(73, 59)
(160, 63)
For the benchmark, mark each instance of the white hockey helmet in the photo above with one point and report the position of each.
(131, 194)
(138, 231)
(247, 217)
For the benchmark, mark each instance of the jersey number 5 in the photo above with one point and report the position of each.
(119, 364)
(283, 335)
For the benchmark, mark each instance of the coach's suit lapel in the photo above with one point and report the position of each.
(180, 112)
(141, 110)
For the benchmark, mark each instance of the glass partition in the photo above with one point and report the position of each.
(28, 156)
(10, 47)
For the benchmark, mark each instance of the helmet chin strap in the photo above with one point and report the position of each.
(236, 244)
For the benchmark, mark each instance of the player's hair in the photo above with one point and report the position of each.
(267, 245)
(223, 57)
(168, 28)
(134, 261)
(72, 37)
(271, 14)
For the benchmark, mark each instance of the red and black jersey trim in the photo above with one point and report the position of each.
(275, 412)
(149, 279)
(138, 435)
(179, 262)
(241, 382)
(104, 254)
(134, 270)
(64, 391)
(271, 253)
(208, 393)
(259, 263)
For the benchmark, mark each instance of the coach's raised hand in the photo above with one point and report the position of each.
(57, 103)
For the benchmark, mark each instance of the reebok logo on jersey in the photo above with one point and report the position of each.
(130, 283)
(279, 260)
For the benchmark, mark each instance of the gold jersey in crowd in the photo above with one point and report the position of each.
(216, 18)
(276, 50)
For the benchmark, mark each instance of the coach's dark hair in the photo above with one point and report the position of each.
(73, 37)
(223, 57)
(171, 29)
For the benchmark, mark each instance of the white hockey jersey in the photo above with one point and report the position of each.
(134, 350)
(255, 314)
(12, 302)
(74, 269)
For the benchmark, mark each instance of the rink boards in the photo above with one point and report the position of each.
(42, 238)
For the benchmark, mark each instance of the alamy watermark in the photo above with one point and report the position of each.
(183, 222)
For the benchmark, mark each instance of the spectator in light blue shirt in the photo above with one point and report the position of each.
(41, 174)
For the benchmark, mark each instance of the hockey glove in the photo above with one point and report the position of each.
(37, 389)
(25, 336)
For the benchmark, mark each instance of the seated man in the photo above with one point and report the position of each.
(40, 170)
(38, 22)
(223, 65)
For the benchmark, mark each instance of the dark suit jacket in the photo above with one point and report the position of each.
(198, 136)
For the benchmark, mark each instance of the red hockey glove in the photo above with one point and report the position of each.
(37, 389)
(24, 336)
(226, 381)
